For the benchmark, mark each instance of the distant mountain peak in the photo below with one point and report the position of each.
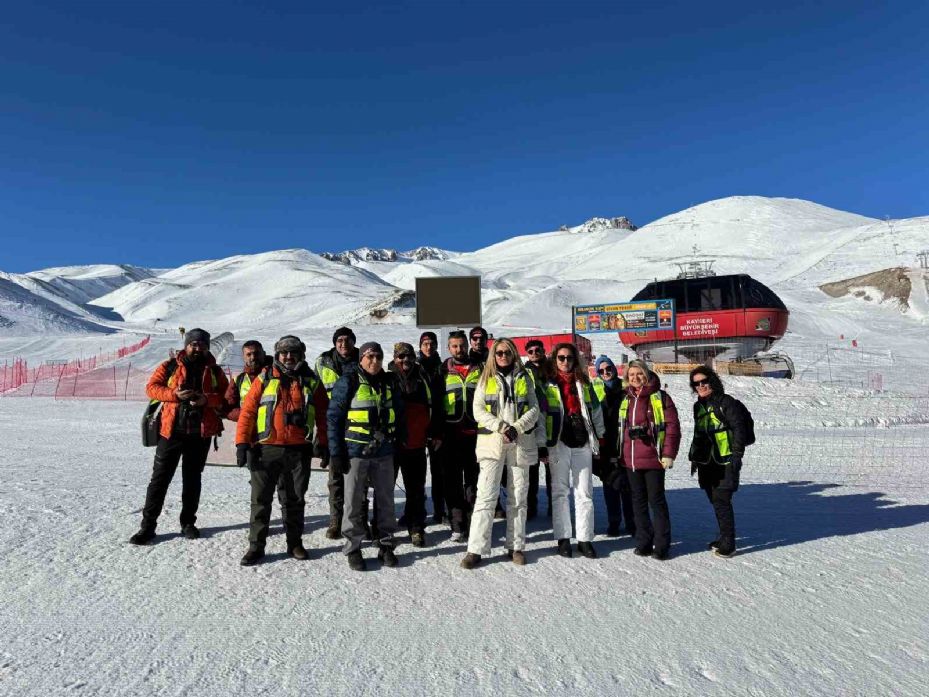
(353, 256)
(597, 224)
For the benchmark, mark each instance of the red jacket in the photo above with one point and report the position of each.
(162, 388)
(642, 453)
(289, 400)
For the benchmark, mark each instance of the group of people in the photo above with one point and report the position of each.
(481, 420)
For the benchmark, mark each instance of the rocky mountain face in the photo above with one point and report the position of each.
(596, 224)
(354, 256)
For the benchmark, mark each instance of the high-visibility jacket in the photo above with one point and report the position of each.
(710, 429)
(459, 394)
(329, 371)
(656, 404)
(169, 375)
(654, 410)
(264, 412)
(522, 386)
(371, 414)
(553, 411)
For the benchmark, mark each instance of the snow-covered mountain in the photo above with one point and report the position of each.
(530, 281)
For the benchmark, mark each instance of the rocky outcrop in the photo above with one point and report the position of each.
(881, 286)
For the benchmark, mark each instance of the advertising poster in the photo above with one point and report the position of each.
(645, 315)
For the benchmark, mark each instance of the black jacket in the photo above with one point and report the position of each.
(610, 405)
(730, 411)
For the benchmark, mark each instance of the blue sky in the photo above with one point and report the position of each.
(162, 133)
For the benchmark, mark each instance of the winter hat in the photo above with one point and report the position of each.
(370, 346)
(343, 331)
(289, 343)
(403, 347)
(478, 330)
(603, 359)
(534, 342)
(196, 335)
(428, 335)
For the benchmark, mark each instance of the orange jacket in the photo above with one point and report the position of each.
(161, 387)
(289, 400)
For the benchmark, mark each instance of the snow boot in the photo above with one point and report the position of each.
(587, 550)
(298, 552)
(190, 531)
(252, 556)
(564, 548)
(519, 558)
(713, 545)
(470, 560)
(387, 557)
(356, 562)
(643, 551)
(142, 537)
(724, 551)
(661, 554)
(418, 539)
(334, 531)
(612, 530)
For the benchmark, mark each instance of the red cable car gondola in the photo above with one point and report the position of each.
(726, 317)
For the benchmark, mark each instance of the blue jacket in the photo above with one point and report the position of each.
(342, 394)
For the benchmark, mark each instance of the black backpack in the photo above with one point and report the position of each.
(748, 421)
(151, 417)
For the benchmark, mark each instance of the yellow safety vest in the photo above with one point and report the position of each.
(369, 411)
(657, 405)
(554, 410)
(325, 368)
(244, 387)
(709, 426)
(268, 402)
(521, 386)
(459, 395)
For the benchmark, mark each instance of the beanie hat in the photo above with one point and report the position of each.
(343, 331)
(196, 335)
(601, 360)
(534, 342)
(403, 347)
(370, 346)
(289, 343)
(428, 335)
(478, 330)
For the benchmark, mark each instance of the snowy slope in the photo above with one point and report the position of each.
(29, 312)
(81, 284)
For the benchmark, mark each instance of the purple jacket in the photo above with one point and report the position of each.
(642, 453)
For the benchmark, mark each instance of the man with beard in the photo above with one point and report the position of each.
(539, 371)
(342, 358)
(191, 388)
(366, 420)
(478, 351)
(461, 376)
(284, 403)
(431, 363)
(423, 413)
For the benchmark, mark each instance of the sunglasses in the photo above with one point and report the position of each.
(562, 358)
(535, 350)
(606, 371)
(700, 383)
(404, 356)
(501, 354)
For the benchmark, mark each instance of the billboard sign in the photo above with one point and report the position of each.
(448, 301)
(638, 316)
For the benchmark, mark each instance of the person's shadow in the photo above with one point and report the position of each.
(775, 515)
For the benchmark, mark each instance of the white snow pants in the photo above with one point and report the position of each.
(566, 463)
(488, 489)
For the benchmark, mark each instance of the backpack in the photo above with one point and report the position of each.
(748, 421)
(151, 417)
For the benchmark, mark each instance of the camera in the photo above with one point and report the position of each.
(377, 438)
(638, 432)
(295, 418)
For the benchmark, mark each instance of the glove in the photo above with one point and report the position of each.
(322, 452)
(340, 464)
(613, 478)
(510, 434)
(667, 462)
(241, 454)
(736, 461)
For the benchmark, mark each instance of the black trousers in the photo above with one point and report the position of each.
(412, 465)
(619, 501)
(282, 467)
(436, 473)
(532, 505)
(461, 474)
(336, 493)
(190, 451)
(720, 482)
(648, 493)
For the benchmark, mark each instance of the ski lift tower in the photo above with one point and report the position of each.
(698, 268)
(923, 257)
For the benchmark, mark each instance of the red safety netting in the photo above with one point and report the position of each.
(121, 382)
(17, 378)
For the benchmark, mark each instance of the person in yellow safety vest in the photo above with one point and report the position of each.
(617, 493)
(366, 422)
(722, 430)
(330, 366)
(649, 438)
(457, 455)
(574, 425)
(506, 411)
(285, 405)
(539, 370)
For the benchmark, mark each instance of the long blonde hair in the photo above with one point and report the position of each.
(490, 366)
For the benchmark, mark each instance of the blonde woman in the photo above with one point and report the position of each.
(506, 411)
(575, 427)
